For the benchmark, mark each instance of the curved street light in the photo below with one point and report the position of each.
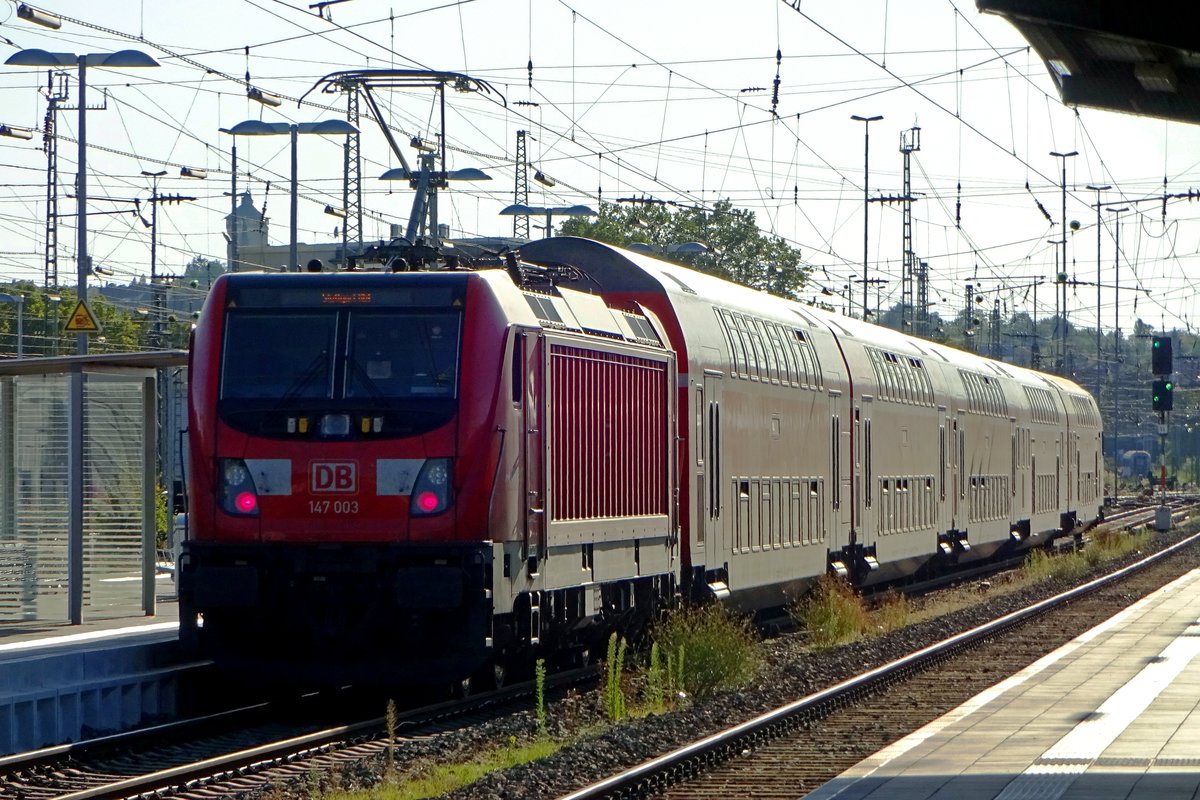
(521, 210)
(37, 57)
(257, 127)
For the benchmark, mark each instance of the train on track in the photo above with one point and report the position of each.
(413, 475)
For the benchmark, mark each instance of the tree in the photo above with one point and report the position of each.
(201, 270)
(737, 250)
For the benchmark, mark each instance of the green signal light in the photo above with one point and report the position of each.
(1169, 386)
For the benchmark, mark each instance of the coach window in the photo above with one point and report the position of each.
(796, 345)
(942, 461)
(867, 459)
(518, 369)
(737, 355)
(835, 455)
(782, 361)
(769, 355)
(741, 333)
(758, 363)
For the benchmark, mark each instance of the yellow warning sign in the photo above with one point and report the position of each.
(82, 320)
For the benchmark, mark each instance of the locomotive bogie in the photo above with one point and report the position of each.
(280, 603)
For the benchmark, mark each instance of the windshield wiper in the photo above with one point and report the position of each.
(316, 367)
(375, 394)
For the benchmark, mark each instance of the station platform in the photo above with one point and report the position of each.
(18, 638)
(61, 683)
(1112, 715)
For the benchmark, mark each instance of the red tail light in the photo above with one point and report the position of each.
(431, 492)
(239, 496)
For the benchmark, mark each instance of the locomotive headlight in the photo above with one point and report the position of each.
(239, 495)
(431, 490)
(235, 472)
(438, 472)
(335, 425)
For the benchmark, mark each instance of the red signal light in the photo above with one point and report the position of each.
(246, 502)
(427, 501)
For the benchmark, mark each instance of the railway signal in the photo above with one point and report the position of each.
(1163, 395)
(1160, 356)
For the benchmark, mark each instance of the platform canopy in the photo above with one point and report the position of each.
(1140, 58)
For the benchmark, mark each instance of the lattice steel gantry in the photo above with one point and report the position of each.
(910, 141)
(521, 188)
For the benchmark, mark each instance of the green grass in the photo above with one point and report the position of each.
(833, 613)
(1104, 546)
(717, 648)
(893, 612)
(449, 777)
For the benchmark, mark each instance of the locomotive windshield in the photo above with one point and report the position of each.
(398, 365)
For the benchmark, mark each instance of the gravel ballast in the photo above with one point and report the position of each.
(790, 669)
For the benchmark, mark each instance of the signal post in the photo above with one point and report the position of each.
(1162, 394)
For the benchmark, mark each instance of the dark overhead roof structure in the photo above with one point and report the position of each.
(1138, 57)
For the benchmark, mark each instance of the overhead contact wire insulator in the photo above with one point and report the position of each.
(775, 90)
(1041, 207)
(958, 207)
(529, 68)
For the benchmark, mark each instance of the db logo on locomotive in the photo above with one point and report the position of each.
(334, 477)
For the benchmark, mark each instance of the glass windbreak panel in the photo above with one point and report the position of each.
(411, 354)
(279, 356)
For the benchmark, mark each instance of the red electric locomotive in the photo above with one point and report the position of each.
(389, 469)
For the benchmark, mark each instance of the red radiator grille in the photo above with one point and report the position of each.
(608, 429)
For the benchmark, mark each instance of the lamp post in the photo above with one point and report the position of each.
(254, 127)
(1098, 190)
(1117, 355)
(42, 58)
(1062, 352)
(427, 181)
(866, 121)
(19, 302)
(52, 300)
(520, 209)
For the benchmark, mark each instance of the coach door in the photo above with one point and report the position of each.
(840, 454)
(868, 502)
(533, 452)
(958, 503)
(943, 467)
(708, 469)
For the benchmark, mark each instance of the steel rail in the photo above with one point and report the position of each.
(654, 775)
(201, 773)
(33, 758)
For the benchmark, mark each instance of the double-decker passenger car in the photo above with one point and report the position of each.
(411, 475)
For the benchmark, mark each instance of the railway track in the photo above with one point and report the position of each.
(797, 747)
(242, 750)
(251, 749)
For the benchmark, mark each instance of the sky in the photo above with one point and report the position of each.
(669, 100)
